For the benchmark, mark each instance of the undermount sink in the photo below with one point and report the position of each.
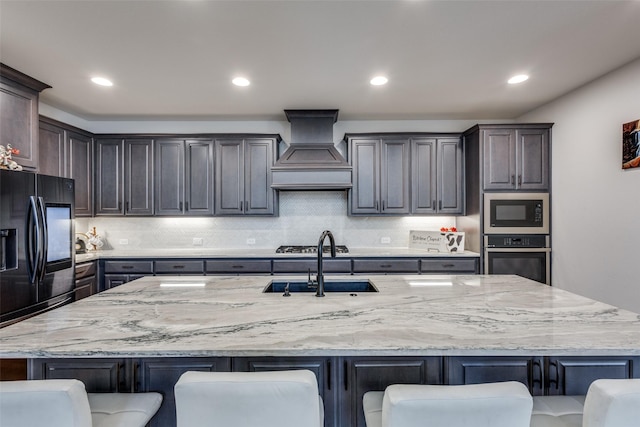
(351, 286)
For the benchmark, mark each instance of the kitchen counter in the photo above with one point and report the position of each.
(262, 253)
(411, 315)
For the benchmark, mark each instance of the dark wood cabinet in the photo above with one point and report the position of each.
(19, 95)
(386, 265)
(68, 152)
(516, 158)
(100, 375)
(138, 177)
(436, 176)
(305, 265)
(179, 267)
(161, 375)
(380, 175)
(108, 176)
(119, 272)
(243, 176)
(363, 374)
(238, 266)
(478, 369)
(450, 265)
(86, 280)
(573, 375)
(184, 177)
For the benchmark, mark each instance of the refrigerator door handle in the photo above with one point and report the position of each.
(44, 239)
(33, 240)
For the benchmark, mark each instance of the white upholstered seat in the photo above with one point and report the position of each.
(65, 403)
(248, 399)
(506, 404)
(557, 411)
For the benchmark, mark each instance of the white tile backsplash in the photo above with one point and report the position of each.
(303, 216)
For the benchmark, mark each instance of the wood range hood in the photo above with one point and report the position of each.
(311, 162)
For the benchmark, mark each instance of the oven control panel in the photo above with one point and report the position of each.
(517, 241)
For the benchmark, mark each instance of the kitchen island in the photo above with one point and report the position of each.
(419, 328)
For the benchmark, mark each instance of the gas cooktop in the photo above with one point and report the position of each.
(310, 249)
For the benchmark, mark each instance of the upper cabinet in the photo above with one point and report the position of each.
(19, 115)
(380, 175)
(68, 152)
(400, 174)
(243, 176)
(437, 169)
(515, 158)
(184, 177)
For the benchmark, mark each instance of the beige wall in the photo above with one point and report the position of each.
(596, 205)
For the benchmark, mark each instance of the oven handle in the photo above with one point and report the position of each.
(517, 249)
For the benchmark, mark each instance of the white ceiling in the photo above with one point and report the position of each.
(444, 59)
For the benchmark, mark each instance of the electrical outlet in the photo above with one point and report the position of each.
(123, 241)
(251, 241)
(198, 241)
(385, 240)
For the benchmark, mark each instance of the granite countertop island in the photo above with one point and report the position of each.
(410, 315)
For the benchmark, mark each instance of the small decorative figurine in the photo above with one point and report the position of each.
(6, 162)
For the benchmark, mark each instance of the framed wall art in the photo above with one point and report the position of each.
(631, 145)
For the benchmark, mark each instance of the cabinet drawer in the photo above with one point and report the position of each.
(448, 265)
(85, 269)
(128, 267)
(385, 266)
(179, 267)
(238, 266)
(304, 265)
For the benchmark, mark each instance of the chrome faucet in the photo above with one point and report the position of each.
(320, 276)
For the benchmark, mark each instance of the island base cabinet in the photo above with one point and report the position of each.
(574, 375)
(98, 375)
(478, 369)
(161, 375)
(364, 374)
(322, 368)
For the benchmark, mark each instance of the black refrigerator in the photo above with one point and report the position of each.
(36, 244)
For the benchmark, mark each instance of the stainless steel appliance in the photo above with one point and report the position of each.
(36, 232)
(517, 213)
(527, 255)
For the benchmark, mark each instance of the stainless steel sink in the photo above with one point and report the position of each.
(350, 286)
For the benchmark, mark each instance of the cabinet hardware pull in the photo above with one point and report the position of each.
(180, 207)
(440, 205)
(136, 379)
(186, 206)
(513, 179)
(346, 375)
(448, 265)
(127, 206)
(519, 180)
(383, 205)
(377, 205)
(385, 265)
(178, 266)
(237, 266)
(127, 267)
(538, 380)
(328, 374)
(433, 205)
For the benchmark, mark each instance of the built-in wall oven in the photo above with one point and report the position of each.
(526, 255)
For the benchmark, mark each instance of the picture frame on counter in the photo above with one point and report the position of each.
(437, 241)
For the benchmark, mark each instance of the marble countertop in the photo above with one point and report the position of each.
(261, 253)
(411, 315)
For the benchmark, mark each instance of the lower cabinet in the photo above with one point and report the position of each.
(573, 375)
(98, 375)
(478, 369)
(363, 374)
(161, 375)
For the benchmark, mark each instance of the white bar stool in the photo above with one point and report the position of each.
(65, 403)
(249, 399)
(506, 404)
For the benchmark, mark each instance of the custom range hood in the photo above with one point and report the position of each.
(311, 162)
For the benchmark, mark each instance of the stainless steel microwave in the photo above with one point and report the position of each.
(519, 213)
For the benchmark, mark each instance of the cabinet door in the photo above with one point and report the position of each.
(79, 164)
(108, 172)
(423, 183)
(161, 375)
(385, 265)
(449, 177)
(574, 375)
(375, 374)
(98, 375)
(533, 159)
(258, 194)
(169, 177)
(51, 150)
(499, 159)
(138, 177)
(19, 123)
(394, 177)
(199, 178)
(229, 177)
(480, 369)
(365, 159)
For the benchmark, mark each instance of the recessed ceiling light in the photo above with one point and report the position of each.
(518, 79)
(102, 81)
(379, 80)
(241, 81)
